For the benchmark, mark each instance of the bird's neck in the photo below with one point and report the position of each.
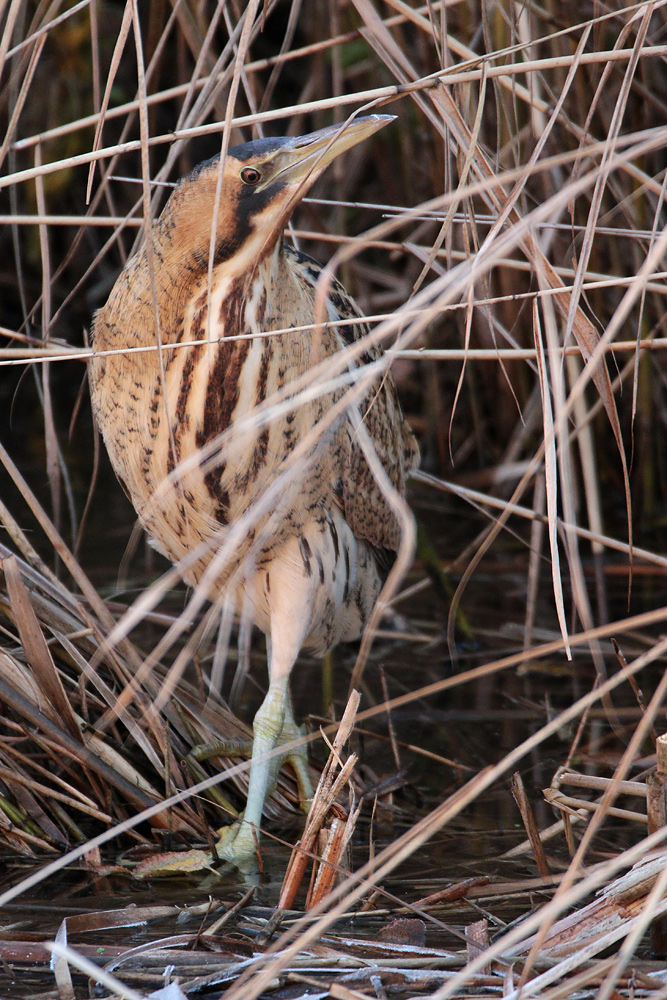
(171, 274)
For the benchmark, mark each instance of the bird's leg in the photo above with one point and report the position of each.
(239, 842)
(273, 726)
(293, 590)
(222, 748)
(297, 758)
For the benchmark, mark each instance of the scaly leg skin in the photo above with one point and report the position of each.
(238, 842)
(291, 601)
(222, 748)
(296, 758)
(273, 725)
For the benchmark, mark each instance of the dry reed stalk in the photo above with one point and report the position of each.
(528, 817)
(527, 208)
(335, 776)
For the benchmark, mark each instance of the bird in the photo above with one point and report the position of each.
(177, 421)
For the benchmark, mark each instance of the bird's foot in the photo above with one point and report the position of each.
(239, 845)
(223, 748)
(298, 761)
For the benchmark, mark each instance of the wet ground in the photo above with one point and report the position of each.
(470, 726)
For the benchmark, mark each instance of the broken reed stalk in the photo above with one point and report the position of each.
(472, 90)
(477, 936)
(327, 861)
(528, 817)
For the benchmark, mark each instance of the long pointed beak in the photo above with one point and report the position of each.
(306, 156)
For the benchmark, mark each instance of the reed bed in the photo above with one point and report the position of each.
(506, 238)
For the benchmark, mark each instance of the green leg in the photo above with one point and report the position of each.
(274, 724)
(222, 748)
(238, 842)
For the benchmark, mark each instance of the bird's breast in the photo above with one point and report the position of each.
(188, 427)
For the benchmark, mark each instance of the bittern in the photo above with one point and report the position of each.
(176, 424)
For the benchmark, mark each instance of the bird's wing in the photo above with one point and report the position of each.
(364, 503)
(366, 507)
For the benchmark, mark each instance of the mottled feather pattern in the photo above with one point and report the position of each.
(206, 434)
(364, 503)
(204, 385)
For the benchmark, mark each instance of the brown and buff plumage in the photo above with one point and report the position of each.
(180, 423)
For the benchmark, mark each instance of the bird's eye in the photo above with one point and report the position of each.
(250, 176)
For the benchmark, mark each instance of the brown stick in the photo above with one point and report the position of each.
(528, 817)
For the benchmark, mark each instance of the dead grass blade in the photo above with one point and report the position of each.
(119, 45)
(514, 224)
(550, 478)
(36, 650)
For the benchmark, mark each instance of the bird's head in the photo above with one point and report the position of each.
(262, 183)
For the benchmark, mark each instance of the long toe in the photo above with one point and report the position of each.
(222, 748)
(298, 761)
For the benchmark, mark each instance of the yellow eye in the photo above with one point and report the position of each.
(250, 176)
